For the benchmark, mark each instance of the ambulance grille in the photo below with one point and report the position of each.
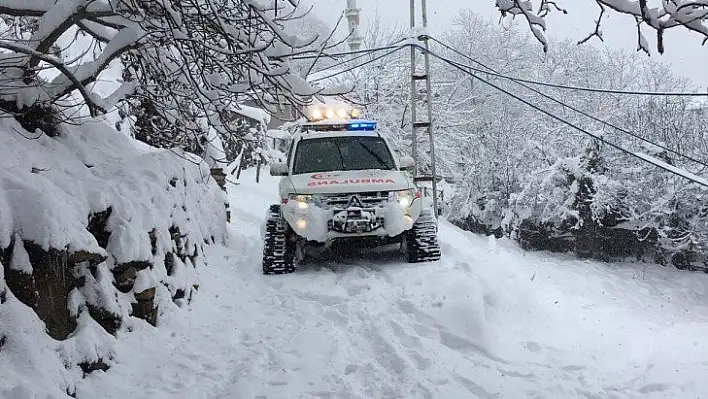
(343, 201)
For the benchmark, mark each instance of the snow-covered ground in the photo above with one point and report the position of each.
(489, 320)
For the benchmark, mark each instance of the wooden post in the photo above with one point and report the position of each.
(220, 178)
(238, 170)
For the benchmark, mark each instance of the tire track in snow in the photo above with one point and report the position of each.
(410, 359)
(390, 360)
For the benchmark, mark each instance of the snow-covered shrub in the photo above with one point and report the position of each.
(244, 130)
(248, 127)
(480, 213)
(94, 229)
(571, 206)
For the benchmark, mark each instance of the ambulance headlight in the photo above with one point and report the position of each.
(404, 197)
(303, 201)
(355, 113)
(342, 113)
(329, 113)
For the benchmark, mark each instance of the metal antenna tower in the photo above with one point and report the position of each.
(416, 77)
(352, 14)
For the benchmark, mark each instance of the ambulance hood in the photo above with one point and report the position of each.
(354, 181)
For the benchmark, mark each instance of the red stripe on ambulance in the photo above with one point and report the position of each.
(329, 182)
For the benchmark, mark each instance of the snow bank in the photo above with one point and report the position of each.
(94, 229)
(26, 352)
(310, 222)
(395, 220)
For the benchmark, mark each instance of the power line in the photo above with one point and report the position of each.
(669, 168)
(358, 57)
(395, 49)
(343, 53)
(596, 119)
(580, 88)
(363, 55)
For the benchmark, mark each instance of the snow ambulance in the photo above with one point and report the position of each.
(342, 184)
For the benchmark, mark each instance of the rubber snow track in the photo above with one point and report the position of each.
(486, 321)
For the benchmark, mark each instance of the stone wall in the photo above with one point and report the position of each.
(95, 234)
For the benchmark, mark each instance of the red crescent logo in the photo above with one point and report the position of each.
(323, 176)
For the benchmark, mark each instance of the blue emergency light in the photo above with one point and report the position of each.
(367, 126)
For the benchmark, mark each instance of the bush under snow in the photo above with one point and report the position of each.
(95, 230)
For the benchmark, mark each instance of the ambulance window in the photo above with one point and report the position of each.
(342, 153)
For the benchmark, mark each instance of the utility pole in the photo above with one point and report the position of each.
(352, 14)
(414, 95)
(415, 78)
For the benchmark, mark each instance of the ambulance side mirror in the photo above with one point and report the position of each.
(407, 163)
(279, 169)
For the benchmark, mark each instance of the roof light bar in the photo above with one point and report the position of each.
(324, 112)
(353, 126)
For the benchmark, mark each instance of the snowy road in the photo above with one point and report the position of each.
(487, 321)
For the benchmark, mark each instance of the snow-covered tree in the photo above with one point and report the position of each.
(691, 15)
(531, 176)
(185, 62)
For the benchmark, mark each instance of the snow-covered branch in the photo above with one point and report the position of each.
(688, 14)
(88, 72)
(59, 65)
(58, 19)
(28, 8)
(191, 59)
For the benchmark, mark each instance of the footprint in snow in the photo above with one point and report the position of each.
(516, 374)
(532, 346)
(336, 317)
(357, 289)
(421, 362)
(463, 266)
(351, 369)
(410, 308)
(653, 388)
(407, 340)
(474, 388)
(466, 346)
(425, 331)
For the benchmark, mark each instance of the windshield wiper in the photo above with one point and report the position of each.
(378, 158)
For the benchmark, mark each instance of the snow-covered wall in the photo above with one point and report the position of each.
(96, 231)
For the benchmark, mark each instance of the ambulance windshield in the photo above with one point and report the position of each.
(342, 153)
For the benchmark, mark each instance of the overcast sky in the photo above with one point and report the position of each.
(683, 49)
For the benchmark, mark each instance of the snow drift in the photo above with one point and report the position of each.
(95, 232)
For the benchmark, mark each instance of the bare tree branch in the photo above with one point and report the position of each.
(598, 31)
